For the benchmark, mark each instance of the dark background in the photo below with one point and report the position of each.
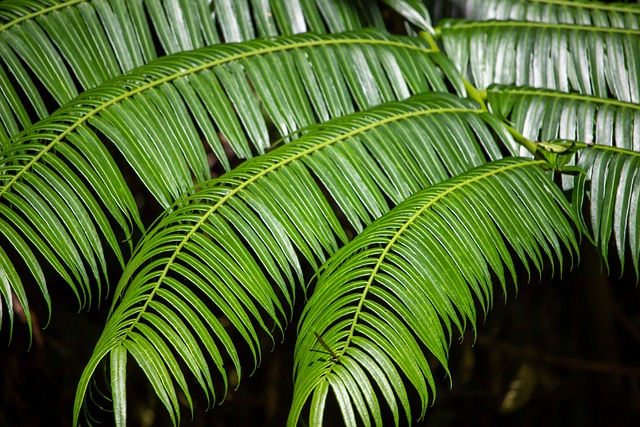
(560, 352)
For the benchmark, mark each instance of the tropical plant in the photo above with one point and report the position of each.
(298, 151)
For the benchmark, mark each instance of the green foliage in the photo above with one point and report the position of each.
(456, 154)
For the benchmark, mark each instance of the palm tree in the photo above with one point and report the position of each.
(297, 151)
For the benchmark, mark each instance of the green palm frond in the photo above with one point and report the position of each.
(586, 59)
(545, 115)
(611, 129)
(613, 191)
(238, 237)
(60, 176)
(398, 287)
(50, 50)
(312, 138)
(580, 12)
(48, 208)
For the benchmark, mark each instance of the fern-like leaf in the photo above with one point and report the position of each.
(613, 191)
(196, 93)
(398, 287)
(545, 115)
(586, 59)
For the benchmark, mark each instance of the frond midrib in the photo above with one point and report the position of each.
(592, 6)
(612, 149)
(546, 93)
(465, 24)
(188, 71)
(43, 11)
(266, 171)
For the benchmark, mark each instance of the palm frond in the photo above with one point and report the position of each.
(579, 12)
(545, 115)
(590, 60)
(50, 50)
(612, 130)
(398, 287)
(235, 248)
(613, 190)
(58, 176)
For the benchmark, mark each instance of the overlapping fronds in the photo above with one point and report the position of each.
(361, 130)
(612, 130)
(591, 60)
(579, 12)
(398, 287)
(298, 81)
(50, 50)
(233, 248)
(58, 176)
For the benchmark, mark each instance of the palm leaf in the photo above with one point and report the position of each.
(50, 50)
(398, 287)
(586, 59)
(613, 190)
(611, 129)
(58, 176)
(545, 115)
(222, 250)
(580, 12)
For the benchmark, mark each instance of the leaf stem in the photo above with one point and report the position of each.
(531, 146)
(477, 95)
(425, 35)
